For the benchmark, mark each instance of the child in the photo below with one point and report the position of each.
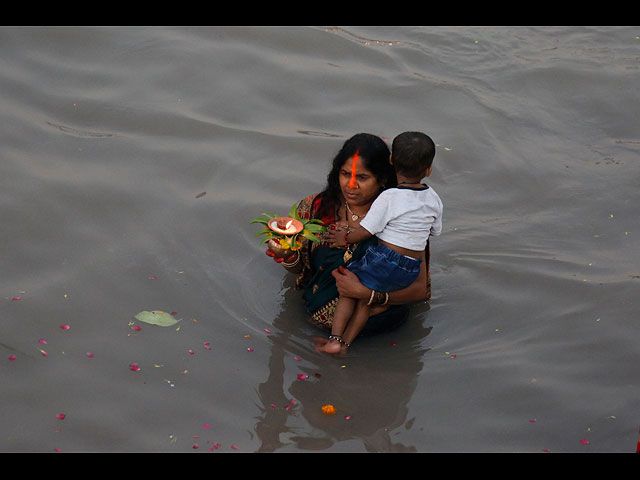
(402, 218)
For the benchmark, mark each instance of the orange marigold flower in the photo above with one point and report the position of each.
(328, 409)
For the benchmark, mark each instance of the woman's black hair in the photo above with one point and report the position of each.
(373, 152)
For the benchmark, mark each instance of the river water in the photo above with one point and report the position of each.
(133, 158)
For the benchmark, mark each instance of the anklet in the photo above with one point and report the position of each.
(339, 339)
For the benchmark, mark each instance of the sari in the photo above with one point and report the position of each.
(319, 260)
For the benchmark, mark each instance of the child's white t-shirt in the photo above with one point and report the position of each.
(405, 216)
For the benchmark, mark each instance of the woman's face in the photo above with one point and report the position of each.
(365, 187)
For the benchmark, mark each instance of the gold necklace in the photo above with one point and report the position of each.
(354, 217)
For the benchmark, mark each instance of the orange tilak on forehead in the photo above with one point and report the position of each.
(354, 165)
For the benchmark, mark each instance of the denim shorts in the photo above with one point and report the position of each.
(384, 270)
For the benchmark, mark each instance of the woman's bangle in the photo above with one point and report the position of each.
(294, 262)
(347, 232)
(373, 292)
(378, 298)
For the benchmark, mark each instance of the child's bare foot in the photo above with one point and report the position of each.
(333, 345)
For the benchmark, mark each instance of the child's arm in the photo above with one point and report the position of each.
(357, 234)
(340, 237)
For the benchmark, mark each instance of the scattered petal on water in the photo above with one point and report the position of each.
(347, 417)
(206, 426)
(250, 349)
(302, 376)
(12, 357)
(207, 345)
(44, 354)
(234, 447)
(297, 359)
(191, 352)
(267, 331)
(584, 441)
(42, 341)
(16, 298)
(65, 327)
(134, 367)
(137, 328)
(90, 355)
(61, 416)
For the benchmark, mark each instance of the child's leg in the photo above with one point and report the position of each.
(357, 322)
(344, 311)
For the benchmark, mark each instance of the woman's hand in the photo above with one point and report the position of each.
(349, 285)
(279, 254)
(335, 235)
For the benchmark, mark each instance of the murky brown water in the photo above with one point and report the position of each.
(111, 135)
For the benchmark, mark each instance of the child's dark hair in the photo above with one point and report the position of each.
(412, 153)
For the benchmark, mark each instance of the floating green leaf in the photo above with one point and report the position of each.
(156, 317)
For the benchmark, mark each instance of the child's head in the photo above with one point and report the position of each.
(412, 153)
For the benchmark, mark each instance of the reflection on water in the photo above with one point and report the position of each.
(370, 405)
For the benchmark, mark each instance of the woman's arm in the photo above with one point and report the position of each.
(349, 286)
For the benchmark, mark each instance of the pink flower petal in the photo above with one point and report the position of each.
(267, 331)
(16, 298)
(234, 447)
(61, 416)
(207, 345)
(584, 441)
(65, 327)
(250, 349)
(302, 376)
(134, 367)
(191, 352)
(137, 328)
(42, 341)
(206, 426)
(90, 355)
(12, 357)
